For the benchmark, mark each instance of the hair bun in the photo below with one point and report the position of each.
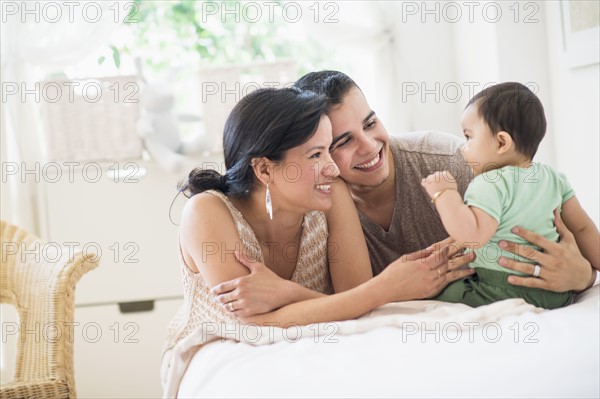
(200, 180)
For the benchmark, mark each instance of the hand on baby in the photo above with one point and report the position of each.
(439, 181)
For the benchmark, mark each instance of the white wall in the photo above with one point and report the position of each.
(574, 120)
(523, 57)
(426, 77)
(6, 211)
(524, 45)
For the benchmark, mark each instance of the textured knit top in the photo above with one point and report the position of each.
(312, 271)
(416, 223)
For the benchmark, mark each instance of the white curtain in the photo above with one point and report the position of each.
(362, 38)
(63, 34)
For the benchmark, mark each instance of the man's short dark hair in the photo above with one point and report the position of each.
(333, 84)
(513, 108)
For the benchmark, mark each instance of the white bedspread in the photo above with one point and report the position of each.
(413, 349)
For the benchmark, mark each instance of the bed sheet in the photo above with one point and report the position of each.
(413, 349)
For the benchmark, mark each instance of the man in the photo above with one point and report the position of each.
(384, 176)
(398, 219)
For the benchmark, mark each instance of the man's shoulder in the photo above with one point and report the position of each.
(426, 142)
(428, 151)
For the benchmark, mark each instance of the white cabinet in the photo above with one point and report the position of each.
(125, 221)
(117, 353)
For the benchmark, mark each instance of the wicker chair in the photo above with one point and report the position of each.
(44, 294)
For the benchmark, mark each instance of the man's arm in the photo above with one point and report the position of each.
(563, 268)
(583, 228)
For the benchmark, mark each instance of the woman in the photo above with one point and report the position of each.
(274, 207)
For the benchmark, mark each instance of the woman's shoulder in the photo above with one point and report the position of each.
(201, 201)
(206, 206)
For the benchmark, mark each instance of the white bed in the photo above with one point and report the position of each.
(388, 353)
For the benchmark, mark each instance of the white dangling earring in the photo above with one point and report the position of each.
(268, 203)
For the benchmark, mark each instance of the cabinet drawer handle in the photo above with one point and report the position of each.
(139, 306)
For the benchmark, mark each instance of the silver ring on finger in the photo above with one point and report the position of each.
(536, 270)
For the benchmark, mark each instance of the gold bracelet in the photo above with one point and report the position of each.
(437, 195)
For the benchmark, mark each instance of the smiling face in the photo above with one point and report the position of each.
(302, 180)
(481, 147)
(360, 142)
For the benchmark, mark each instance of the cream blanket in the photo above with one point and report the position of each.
(417, 348)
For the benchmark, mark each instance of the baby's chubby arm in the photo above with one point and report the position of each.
(468, 225)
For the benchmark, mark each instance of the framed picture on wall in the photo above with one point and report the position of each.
(581, 29)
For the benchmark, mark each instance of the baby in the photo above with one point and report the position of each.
(503, 126)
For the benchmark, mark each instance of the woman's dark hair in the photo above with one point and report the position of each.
(333, 84)
(265, 123)
(513, 108)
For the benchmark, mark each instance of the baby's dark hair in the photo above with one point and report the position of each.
(333, 84)
(265, 123)
(513, 108)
